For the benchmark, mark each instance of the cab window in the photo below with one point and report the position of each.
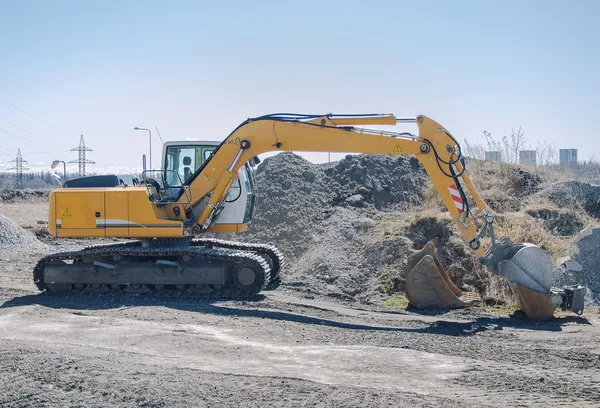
(184, 161)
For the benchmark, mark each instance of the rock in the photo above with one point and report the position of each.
(363, 191)
(364, 222)
(356, 200)
(309, 176)
(589, 295)
(583, 264)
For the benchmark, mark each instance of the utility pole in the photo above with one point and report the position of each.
(82, 161)
(19, 168)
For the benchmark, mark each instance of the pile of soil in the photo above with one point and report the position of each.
(323, 217)
(575, 194)
(560, 223)
(15, 196)
(13, 237)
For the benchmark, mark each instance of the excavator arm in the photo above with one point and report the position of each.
(528, 267)
(434, 146)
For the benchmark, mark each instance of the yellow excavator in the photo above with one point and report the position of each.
(205, 187)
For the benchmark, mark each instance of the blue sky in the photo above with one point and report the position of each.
(197, 69)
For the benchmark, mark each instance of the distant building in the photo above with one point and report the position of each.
(527, 157)
(493, 156)
(568, 157)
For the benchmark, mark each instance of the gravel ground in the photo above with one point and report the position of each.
(287, 348)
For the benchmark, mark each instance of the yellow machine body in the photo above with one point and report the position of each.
(122, 212)
(114, 212)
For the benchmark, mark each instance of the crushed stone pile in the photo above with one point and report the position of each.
(563, 223)
(13, 237)
(319, 215)
(581, 263)
(13, 196)
(575, 194)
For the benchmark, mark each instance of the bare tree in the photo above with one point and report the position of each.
(474, 150)
(513, 143)
(546, 152)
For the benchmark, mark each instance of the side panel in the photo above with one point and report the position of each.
(117, 212)
(79, 212)
(143, 221)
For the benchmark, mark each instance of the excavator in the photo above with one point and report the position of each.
(209, 187)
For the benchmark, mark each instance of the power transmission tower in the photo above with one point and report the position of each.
(82, 160)
(19, 168)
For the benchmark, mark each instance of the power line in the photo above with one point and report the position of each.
(25, 130)
(22, 110)
(22, 140)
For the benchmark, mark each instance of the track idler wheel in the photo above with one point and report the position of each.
(248, 278)
(428, 286)
(58, 287)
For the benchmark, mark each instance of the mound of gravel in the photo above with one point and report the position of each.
(321, 216)
(585, 270)
(13, 237)
(575, 194)
(560, 223)
(12, 196)
(379, 181)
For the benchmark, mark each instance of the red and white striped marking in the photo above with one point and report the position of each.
(458, 202)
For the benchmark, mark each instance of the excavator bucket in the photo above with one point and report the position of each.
(528, 269)
(537, 306)
(428, 286)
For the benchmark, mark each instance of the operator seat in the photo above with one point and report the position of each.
(187, 172)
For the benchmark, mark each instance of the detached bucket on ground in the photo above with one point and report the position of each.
(428, 286)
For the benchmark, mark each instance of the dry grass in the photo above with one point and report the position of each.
(510, 194)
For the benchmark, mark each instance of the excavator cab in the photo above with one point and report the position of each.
(181, 159)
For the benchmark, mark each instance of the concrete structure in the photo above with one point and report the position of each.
(493, 156)
(568, 157)
(527, 157)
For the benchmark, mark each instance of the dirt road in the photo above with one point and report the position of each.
(284, 349)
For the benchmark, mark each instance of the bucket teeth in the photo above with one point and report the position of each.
(428, 286)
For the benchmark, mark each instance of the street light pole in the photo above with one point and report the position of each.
(55, 163)
(150, 140)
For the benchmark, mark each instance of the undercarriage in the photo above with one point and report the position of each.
(202, 266)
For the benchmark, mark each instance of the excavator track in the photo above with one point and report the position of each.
(130, 267)
(271, 252)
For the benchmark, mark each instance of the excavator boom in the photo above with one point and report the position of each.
(434, 146)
